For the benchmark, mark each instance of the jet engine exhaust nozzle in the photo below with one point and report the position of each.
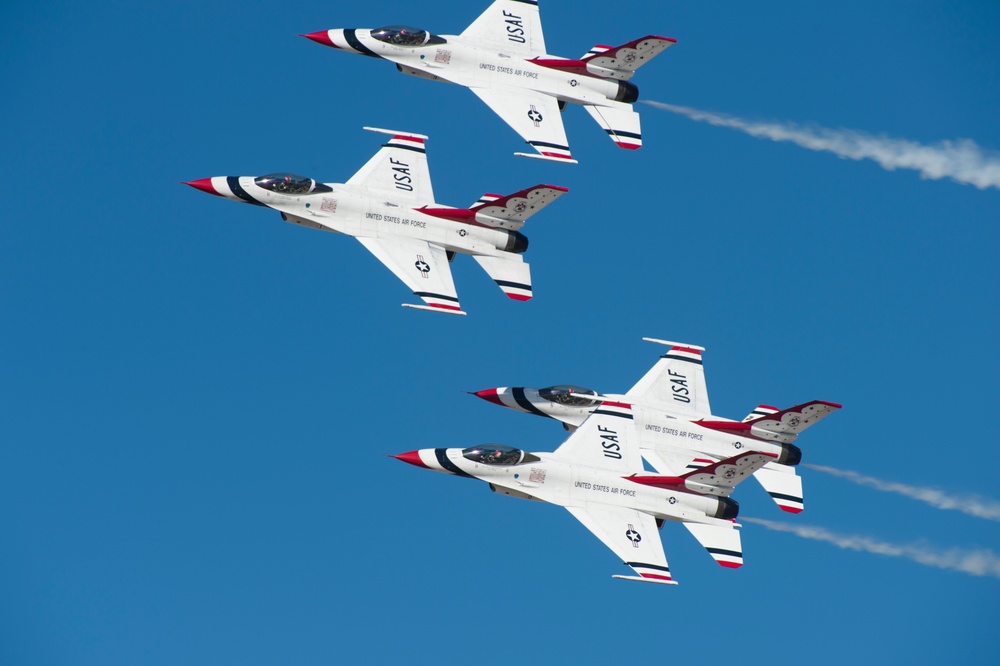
(790, 455)
(728, 508)
(516, 242)
(628, 92)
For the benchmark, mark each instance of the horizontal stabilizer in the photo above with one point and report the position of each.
(620, 62)
(513, 275)
(783, 485)
(722, 543)
(621, 123)
(511, 211)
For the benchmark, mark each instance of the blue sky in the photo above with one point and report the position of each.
(198, 398)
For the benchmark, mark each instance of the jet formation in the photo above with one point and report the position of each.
(501, 58)
(598, 475)
(677, 430)
(389, 207)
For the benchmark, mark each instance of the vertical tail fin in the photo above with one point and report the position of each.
(759, 411)
(511, 211)
(786, 424)
(620, 62)
(720, 478)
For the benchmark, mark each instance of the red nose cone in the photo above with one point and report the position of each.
(321, 37)
(203, 184)
(412, 457)
(489, 395)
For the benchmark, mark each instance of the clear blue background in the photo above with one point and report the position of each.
(198, 399)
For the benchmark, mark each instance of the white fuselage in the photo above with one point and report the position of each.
(351, 210)
(555, 481)
(469, 64)
(655, 424)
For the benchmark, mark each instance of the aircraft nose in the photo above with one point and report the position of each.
(205, 185)
(490, 395)
(412, 457)
(321, 37)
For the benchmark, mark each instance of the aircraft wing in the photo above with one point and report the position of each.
(632, 536)
(533, 115)
(677, 380)
(398, 170)
(422, 266)
(606, 440)
(510, 26)
(673, 460)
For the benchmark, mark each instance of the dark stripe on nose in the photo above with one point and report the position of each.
(524, 403)
(352, 39)
(237, 189)
(442, 459)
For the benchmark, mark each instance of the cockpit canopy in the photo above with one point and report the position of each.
(405, 35)
(568, 395)
(497, 454)
(289, 183)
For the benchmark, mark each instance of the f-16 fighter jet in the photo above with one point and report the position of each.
(597, 474)
(501, 57)
(676, 429)
(389, 207)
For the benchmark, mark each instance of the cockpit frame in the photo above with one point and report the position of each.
(290, 184)
(497, 454)
(406, 36)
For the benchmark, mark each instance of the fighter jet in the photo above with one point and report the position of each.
(501, 58)
(676, 429)
(597, 474)
(389, 207)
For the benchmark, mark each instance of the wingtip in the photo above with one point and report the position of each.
(439, 308)
(551, 158)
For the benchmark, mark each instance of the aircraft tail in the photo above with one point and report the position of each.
(512, 275)
(783, 484)
(786, 424)
(759, 411)
(720, 478)
(511, 211)
(620, 62)
(620, 121)
(722, 543)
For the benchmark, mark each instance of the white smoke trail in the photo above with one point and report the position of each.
(962, 160)
(980, 507)
(977, 562)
